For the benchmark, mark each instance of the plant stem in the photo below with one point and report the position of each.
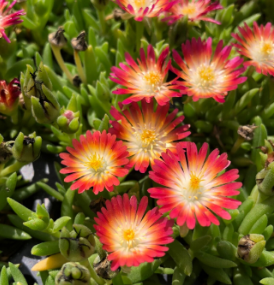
(12, 168)
(92, 272)
(79, 66)
(237, 144)
(139, 34)
(60, 61)
(101, 16)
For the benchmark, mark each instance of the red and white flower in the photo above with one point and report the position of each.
(95, 161)
(130, 236)
(206, 74)
(8, 19)
(144, 8)
(147, 133)
(9, 96)
(145, 79)
(257, 44)
(195, 10)
(194, 189)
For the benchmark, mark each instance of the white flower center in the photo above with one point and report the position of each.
(95, 163)
(194, 189)
(152, 82)
(263, 52)
(189, 10)
(137, 4)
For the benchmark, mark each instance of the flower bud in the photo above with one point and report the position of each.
(57, 38)
(265, 180)
(78, 244)
(27, 148)
(45, 109)
(250, 247)
(73, 274)
(79, 43)
(9, 96)
(102, 268)
(68, 122)
(246, 132)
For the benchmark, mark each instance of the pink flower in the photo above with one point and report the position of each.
(144, 8)
(147, 133)
(145, 79)
(195, 10)
(258, 46)
(207, 74)
(95, 161)
(193, 188)
(129, 235)
(8, 19)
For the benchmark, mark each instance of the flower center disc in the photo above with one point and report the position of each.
(147, 137)
(129, 235)
(194, 183)
(139, 4)
(95, 162)
(152, 81)
(189, 10)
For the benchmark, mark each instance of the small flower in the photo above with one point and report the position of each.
(258, 46)
(8, 19)
(129, 235)
(145, 79)
(9, 96)
(144, 8)
(147, 133)
(206, 75)
(193, 190)
(195, 10)
(95, 161)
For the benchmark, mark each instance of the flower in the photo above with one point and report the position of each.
(9, 96)
(258, 46)
(195, 10)
(205, 76)
(8, 19)
(95, 161)
(193, 187)
(129, 235)
(145, 79)
(144, 8)
(147, 133)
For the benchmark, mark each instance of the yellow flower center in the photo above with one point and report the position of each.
(129, 235)
(194, 182)
(189, 10)
(147, 137)
(152, 78)
(139, 3)
(267, 48)
(206, 74)
(95, 162)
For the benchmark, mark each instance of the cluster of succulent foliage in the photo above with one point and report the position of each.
(59, 95)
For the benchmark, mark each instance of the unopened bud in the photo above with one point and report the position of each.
(9, 96)
(250, 247)
(27, 148)
(265, 180)
(69, 122)
(73, 274)
(79, 43)
(78, 244)
(247, 131)
(76, 80)
(102, 268)
(57, 38)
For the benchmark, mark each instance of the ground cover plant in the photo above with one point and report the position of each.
(158, 118)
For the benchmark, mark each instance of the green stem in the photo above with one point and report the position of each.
(12, 168)
(139, 34)
(101, 17)
(79, 66)
(60, 61)
(92, 272)
(237, 144)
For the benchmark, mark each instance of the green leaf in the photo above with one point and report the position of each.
(17, 275)
(10, 232)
